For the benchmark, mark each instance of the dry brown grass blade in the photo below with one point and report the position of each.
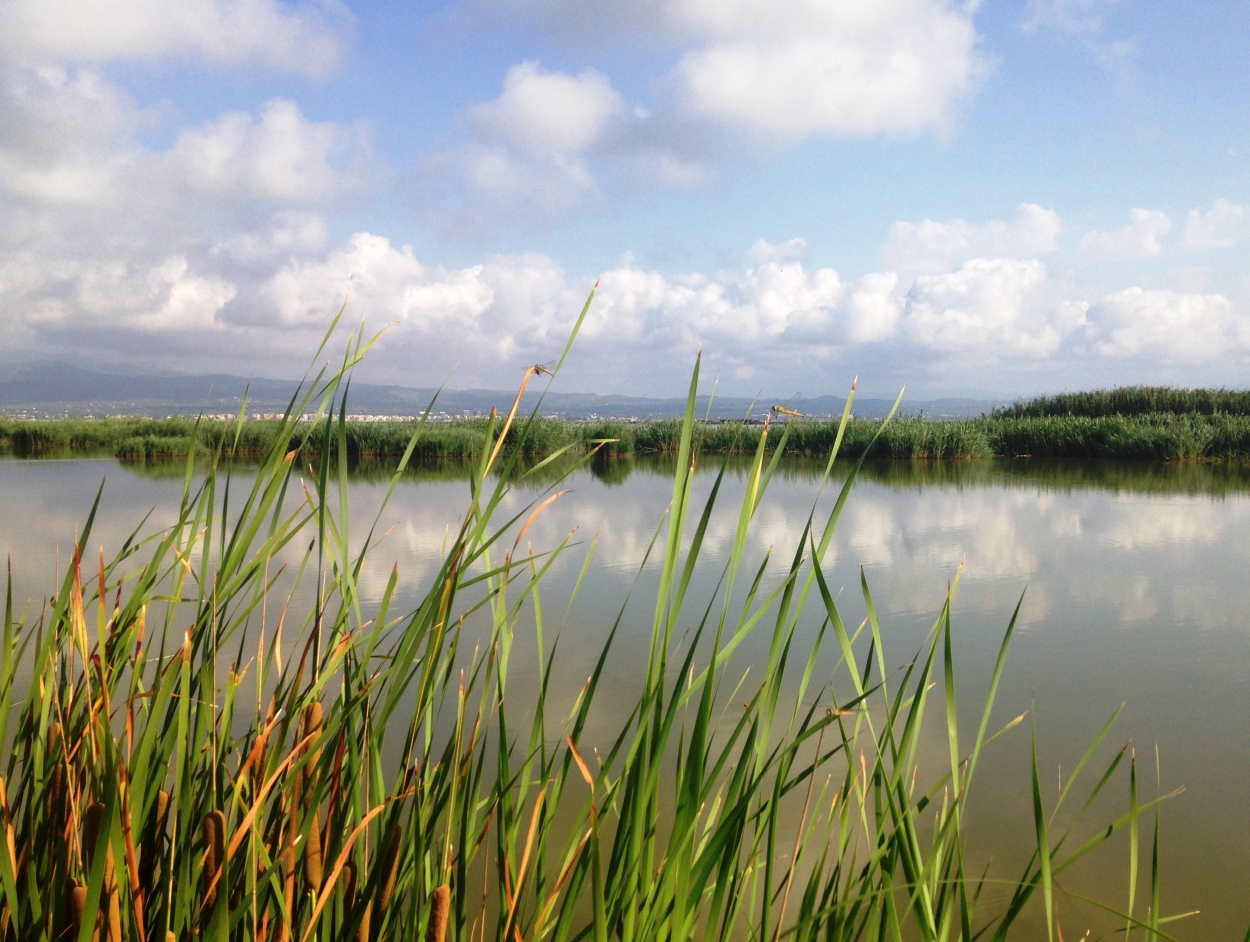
(10, 840)
(581, 764)
(530, 373)
(533, 515)
(554, 896)
(257, 753)
(515, 893)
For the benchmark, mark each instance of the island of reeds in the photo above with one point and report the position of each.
(193, 753)
(1128, 423)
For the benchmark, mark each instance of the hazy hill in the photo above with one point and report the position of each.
(56, 388)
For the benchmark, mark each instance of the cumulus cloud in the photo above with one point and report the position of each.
(826, 69)
(383, 282)
(69, 137)
(873, 308)
(1141, 238)
(990, 306)
(1167, 325)
(929, 246)
(519, 307)
(277, 154)
(301, 37)
(768, 301)
(271, 288)
(899, 67)
(65, 135)
(765, 251)
(162, 297)
(739, 76)
(288, 234)
(107, 234)
(1220, 227)
(544, 146)
(543, 113)
(530, 144)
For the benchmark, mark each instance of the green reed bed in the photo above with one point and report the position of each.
(155, 448)
(1158, 436)
(1135, 400)
(1162, 436)
(192, 756)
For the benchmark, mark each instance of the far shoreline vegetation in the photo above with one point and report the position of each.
(1138, 422)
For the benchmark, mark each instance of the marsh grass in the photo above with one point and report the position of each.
(1134, 400)
(1164, 436)
(194, 757)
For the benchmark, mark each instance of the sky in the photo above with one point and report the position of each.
(991, 199)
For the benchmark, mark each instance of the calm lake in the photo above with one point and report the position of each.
(1136, 583)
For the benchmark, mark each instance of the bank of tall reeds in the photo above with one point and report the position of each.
(1161, 436)
(1134, 400)
(191, 754)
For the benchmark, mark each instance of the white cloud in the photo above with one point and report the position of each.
(652, 165)
(288, 234)
(1167, 325)
(300, 37)
(990, 306)
(901, 67)
(105, 234)
(814, 67)
(70, 138)
(542, 113)
(741, 75)
(543, 146)
(65, 136)
(770, 301)
(1220, 227)
(874, 308)
(120, 294)
(765, 251)
(1141, 238)
(278, 155)
(381, 282)
(540, 189)
(529, 153)
(929, 246)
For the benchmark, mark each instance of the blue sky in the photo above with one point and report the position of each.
(995, 198)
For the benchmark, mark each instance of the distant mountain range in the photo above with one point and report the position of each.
(57, 388)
